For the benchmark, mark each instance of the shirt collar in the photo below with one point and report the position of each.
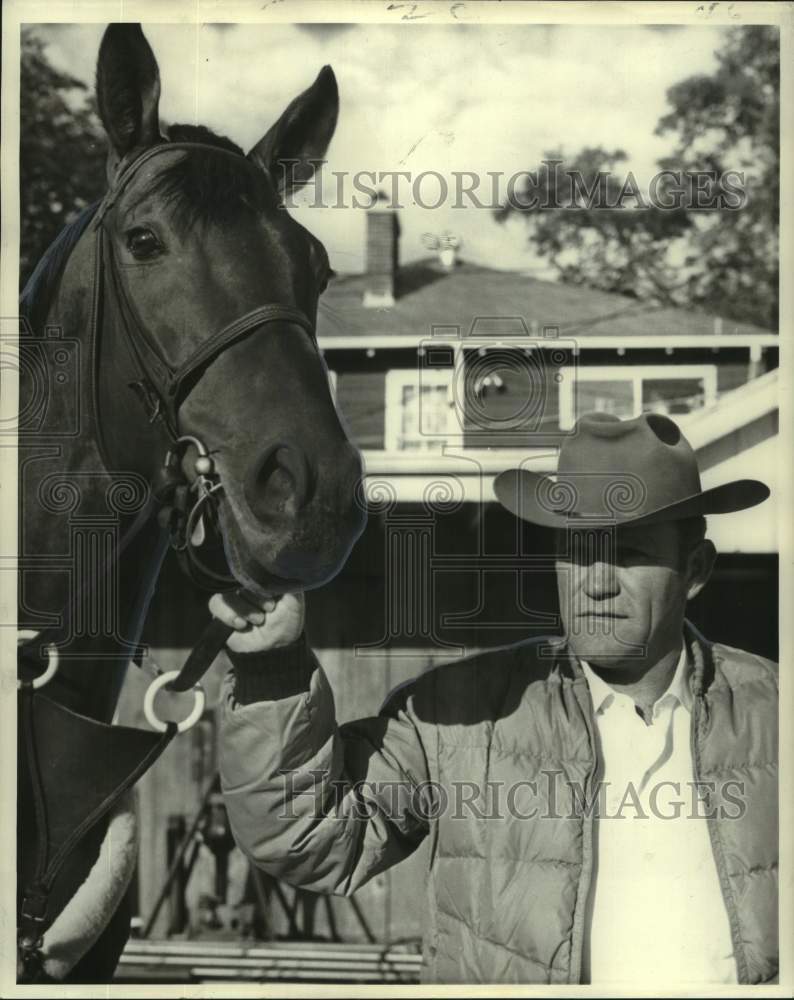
(602, 693)
(679, 685)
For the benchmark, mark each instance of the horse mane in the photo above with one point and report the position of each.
(210, 189)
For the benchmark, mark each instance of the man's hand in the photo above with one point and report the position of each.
(259, 625)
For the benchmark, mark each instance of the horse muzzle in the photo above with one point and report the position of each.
(292, 525)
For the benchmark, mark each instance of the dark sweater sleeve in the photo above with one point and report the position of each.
(276, 673)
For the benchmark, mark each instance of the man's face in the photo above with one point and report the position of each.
(622, 593)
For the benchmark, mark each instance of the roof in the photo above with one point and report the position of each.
(427, 294)
(734, 410)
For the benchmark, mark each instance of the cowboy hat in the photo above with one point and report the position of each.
(612, 471)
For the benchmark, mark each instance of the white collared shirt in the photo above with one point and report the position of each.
(656, 911)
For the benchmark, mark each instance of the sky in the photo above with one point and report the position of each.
(422, 98)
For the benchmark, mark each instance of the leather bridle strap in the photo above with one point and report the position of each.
(128, 169)
(211, 643)
(214, 345)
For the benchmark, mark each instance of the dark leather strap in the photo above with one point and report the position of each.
(210, 643)
(218, 342)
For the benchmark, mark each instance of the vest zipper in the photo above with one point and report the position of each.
(586, 877)
(716, 846)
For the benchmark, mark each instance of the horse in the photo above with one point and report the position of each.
(172, 395)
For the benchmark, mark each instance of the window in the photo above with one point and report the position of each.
(420, 415)
(628, 391)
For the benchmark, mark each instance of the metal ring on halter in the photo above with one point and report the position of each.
(186, 439)
(151, 693)
(204, 466)
(26, 635)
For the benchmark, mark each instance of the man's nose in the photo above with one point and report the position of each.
(601, 580)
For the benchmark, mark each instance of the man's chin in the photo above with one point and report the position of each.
(605, 644)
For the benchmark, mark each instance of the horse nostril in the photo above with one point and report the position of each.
(279, 483)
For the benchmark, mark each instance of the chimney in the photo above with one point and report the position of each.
(383, 234)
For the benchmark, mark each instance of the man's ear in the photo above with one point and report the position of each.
(700, 563)
(289, 152)
(127, 90)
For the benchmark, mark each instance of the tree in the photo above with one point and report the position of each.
(731, 120)
(701, 237)
(62, 151)
(588, 222)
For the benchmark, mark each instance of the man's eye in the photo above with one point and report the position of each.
(628, 552)
(143, 244)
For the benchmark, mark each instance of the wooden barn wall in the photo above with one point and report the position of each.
(469, 606)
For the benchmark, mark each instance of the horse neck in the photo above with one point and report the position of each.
(75, 514)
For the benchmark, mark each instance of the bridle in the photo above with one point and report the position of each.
(178, 501)
(160, 387)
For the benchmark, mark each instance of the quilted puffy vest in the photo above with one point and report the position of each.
(507, 898)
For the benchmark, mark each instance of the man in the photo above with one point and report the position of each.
(601, 808)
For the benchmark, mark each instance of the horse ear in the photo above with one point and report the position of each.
(291, 149)
(128, 88)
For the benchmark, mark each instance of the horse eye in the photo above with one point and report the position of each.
(143, 244)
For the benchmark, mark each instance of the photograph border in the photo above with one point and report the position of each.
(412, 15)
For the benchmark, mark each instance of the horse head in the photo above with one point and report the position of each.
(213, 293)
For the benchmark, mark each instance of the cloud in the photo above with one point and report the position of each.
(425, 97)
